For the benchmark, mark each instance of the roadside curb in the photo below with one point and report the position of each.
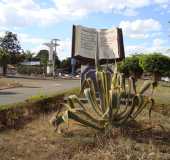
(18, 114)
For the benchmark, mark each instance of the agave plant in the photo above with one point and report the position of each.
(117, 102)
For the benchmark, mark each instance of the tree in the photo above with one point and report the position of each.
(66, 63)
(28, 55)
(157, 64)
(4, 60)
(57, 62)
(11, 44)
(130, 66)
(43, 56)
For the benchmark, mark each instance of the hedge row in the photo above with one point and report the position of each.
(154, 63)
(28, 70)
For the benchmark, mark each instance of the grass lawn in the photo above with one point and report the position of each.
(162, 93)
(38, 141)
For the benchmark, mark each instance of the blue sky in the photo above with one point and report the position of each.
(144, 22)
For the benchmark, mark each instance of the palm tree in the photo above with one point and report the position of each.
(4, 60)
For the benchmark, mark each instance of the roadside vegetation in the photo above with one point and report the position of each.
(155, 64)
(125, 121)
(134, 141)
(11, 52)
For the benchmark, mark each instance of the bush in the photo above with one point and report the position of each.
(130, 66)
(23, 69)
(117, 103)
(155, 63)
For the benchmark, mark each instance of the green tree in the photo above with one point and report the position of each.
(11, 44)
(66, 64)
(156, 63)
(130, 66)
(43, 56)
(57, 62)
(4, 60)
(28, 55)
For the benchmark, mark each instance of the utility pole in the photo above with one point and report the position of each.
(55, 44)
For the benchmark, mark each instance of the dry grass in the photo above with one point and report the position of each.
(162, 93)
(141, 140)
(38, 141)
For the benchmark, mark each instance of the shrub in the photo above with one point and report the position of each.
(155, 63)
(130, 66)
(116, 106)
(28, 70)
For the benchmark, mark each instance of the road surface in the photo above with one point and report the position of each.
(35, 87)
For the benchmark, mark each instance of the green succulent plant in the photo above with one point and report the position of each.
(116, 105)
(113, 104)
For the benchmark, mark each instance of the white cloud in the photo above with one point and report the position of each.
(22, 13)
(85, 7)
(161, 1)
(63, 50)
(158, 45)
(19, 13)
(131, 49)
(25, 38)
(158, 42)
(140, 28)
(2, 33)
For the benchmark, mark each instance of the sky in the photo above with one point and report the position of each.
(144, 22)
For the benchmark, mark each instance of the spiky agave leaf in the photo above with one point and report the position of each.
(122, 82)
(82, 110)
(74, 99)
(100, 78)
(152, 102)
(76, 117)
(92, 100)
(114, 104)
(146, 85)
(105, 91)
(140, 106)
(88, 83)
(122, 119)
(132, 85)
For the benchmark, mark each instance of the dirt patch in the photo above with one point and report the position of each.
(38, 141)
(7, 83)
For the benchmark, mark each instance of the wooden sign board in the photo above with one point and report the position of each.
(107, 42)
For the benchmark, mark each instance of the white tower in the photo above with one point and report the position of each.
(52, 55)
(51, 58)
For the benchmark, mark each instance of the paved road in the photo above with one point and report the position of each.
(34, 87)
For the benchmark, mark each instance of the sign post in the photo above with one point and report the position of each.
(93, 47)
